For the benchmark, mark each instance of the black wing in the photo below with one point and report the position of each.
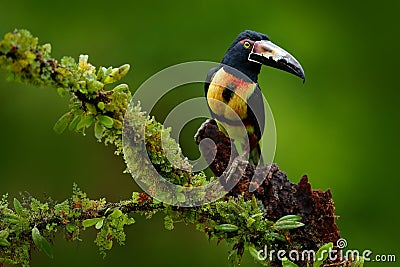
(255, 109)
(209, 77)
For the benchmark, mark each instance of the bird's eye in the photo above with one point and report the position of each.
(247, 45)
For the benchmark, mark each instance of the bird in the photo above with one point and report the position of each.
(233, 94)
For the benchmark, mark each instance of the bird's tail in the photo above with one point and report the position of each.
(255, 154)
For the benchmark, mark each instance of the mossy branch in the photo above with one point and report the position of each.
(248, 221)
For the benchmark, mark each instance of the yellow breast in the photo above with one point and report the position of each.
(236, 106)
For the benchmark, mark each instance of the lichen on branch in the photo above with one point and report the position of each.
(93, 100)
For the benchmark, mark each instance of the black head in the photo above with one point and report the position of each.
(251, 50)
(238, 53)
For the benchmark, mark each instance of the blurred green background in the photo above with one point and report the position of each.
(341, 127)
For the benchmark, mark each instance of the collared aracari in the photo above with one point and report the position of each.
(233, 95)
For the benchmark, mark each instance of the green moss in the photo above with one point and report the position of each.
(30, 62)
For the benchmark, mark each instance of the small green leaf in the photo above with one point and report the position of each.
(47, 248)
(180, 197)
(94, 85)
(250, 221)
(322, 254)
(121, 88)
(11, 218)
(163, 197)
(108, 244)
(117, 74)
(260, 214)
(70, 227)
(130, 221)
(85, 122)
(287, 225)
(82, 87)
(90, 222)
(135, 197)
(99, 224)
(74, 123)
(4, 242)
(288, 222)
(107, 210)
(289, 218)
(62, 123)
(227, 227)
(277, 236)
(253, 252)
(36, 236)
(41, 243)
(4, 234)
(117, 124)
(18, 207)
(234, 257)
(105, 120)
(61, 91)
(115, 214)
(101, 105)
(98, 130)
(168, 223)
(106, 71)
(91, 108)
(254, 204)
(100, 73)
(288, 263)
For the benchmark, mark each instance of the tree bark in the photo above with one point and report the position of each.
(279, 196)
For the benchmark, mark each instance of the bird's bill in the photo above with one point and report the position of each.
(267, 53)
